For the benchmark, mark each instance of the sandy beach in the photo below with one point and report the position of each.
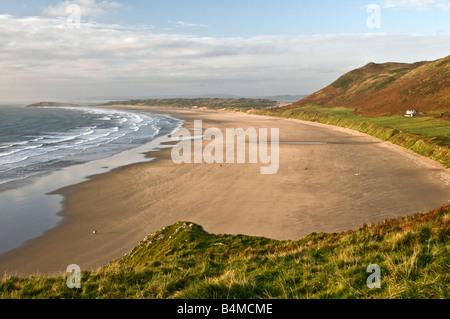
(349, 180)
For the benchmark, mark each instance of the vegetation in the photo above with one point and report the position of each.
(388, 89)
(242, 104)
(184, 261)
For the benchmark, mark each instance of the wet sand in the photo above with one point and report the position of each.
(350, 180)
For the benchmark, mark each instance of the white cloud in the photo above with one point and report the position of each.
(184, 24)
(43, 58)
(417, 4)
(88, 8)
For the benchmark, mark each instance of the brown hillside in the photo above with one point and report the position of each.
(389, 88)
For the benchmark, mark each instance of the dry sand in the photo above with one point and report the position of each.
(318, 188)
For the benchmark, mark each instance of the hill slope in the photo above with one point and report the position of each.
(183, 261)
(389, 88)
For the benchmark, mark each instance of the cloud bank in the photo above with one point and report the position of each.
(42, 58)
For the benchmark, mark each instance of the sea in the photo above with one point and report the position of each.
(43, 149)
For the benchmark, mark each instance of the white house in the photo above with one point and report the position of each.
(412, 113)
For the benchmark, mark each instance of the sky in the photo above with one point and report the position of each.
(83, 49)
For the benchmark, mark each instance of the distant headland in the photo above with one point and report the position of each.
(50, 104)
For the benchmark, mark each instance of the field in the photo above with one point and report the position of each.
(429, 125)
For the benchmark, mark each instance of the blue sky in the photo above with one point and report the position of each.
(263, 17)
(170, 47)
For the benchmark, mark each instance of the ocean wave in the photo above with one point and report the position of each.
(20, 150)
(99, 133)
(14, 144)
(13, 160)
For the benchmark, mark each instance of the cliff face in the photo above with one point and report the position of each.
(389, 88)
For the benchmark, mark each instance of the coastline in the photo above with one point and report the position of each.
(417, 158)
(132, 201)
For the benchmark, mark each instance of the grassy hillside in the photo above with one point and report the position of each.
(242, 104)
(389, 88)
(184, 261)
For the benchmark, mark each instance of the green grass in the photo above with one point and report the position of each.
(428, 126)
(427, 135)
(184, 261)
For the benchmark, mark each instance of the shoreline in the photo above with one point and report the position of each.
(145, 197)
(419, 159)
(33, 205)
